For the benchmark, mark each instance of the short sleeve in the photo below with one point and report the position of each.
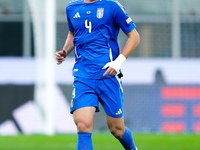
(70, 26)
(122, 19)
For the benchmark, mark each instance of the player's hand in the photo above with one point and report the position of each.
(114, 66)
(112, 70)
(60, 56)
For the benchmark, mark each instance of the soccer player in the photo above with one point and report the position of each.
(93, 30)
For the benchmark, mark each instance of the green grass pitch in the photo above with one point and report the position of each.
(101, 142)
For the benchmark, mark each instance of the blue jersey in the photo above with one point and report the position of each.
(96, 27)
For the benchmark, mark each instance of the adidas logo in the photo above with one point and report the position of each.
(119, 112)
(77, 15)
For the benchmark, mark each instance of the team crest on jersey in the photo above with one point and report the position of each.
(100, 12)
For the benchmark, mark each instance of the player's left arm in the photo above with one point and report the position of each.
(131, 44)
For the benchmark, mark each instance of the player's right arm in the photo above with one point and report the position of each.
(67, 48)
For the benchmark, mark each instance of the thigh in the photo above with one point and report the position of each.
(115, 123)
(83, 118)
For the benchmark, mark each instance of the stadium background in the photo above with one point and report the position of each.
(161, 78)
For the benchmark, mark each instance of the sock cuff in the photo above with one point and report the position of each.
(127, 132)
(84, 141)
(84, 134)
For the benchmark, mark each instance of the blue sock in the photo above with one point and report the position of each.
(84, 141)
(127, 140)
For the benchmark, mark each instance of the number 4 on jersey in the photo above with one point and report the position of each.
(88, 26)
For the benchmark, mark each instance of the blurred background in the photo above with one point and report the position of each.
(161, 78)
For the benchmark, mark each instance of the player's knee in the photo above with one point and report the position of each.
(117, 132)
(84, 127)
